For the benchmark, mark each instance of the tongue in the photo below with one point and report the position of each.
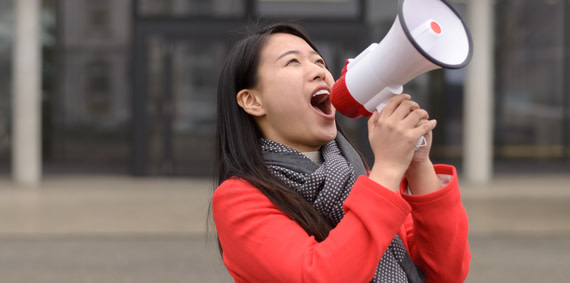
(321, 103)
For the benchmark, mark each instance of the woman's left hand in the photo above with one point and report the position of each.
(421, 175)
(422, 153)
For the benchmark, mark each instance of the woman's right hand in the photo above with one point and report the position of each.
(393, 134)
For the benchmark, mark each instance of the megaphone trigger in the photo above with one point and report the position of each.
(421, 142)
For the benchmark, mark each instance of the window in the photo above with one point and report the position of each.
(97, 87)
(184, 8)
(530, 84)
(339, 9)
(6, 30)
(98, 18)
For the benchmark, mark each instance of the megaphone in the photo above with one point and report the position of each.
(426, 35)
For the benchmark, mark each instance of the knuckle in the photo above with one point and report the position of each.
(410, 136)
(423, 112)
(412, 104)
(420, 113)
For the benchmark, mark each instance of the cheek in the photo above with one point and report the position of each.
(330, 79)
(285, 107)
(283, 95)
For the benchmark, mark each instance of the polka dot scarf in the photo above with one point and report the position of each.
(327, 186)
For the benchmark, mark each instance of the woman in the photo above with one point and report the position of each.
(297, 203)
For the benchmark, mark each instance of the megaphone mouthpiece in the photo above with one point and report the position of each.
(344, 102)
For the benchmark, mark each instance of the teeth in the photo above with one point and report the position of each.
(320, 92)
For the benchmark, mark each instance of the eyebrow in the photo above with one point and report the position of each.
(294, 52)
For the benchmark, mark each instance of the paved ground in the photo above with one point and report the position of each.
(110, 259)
(121, 229)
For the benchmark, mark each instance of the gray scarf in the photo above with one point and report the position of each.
(327, 186)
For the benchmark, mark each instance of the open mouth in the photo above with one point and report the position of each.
(321, 101)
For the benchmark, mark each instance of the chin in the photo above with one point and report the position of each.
(329, 135)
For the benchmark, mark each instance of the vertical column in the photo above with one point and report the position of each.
(478, 126)
(26, 95)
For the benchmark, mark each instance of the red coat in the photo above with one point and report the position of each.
(262, 244)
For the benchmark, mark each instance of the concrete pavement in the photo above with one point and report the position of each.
(519, 229)
(124, 229)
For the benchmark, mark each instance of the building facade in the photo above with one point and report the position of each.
(128, 86)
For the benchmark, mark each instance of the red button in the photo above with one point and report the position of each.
(435, 27)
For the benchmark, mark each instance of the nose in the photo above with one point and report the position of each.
(318, 72)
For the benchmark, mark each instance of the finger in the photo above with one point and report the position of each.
(414, 118)
(422, 121)
(405, 109)
(417, 115)
(373, 120)
(425, 127)
(393, 103)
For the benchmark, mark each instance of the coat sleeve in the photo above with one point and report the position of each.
(262, 244)
(436, 232)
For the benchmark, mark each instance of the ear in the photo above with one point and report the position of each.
(250, 102)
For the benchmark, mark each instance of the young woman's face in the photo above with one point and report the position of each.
(293, 92)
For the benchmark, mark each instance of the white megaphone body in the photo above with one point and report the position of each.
(426, 35)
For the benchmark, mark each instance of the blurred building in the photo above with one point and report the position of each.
(128, 86)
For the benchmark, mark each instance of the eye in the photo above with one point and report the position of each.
(292, 61)
(321, 61)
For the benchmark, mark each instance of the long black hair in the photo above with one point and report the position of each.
(238, 151)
